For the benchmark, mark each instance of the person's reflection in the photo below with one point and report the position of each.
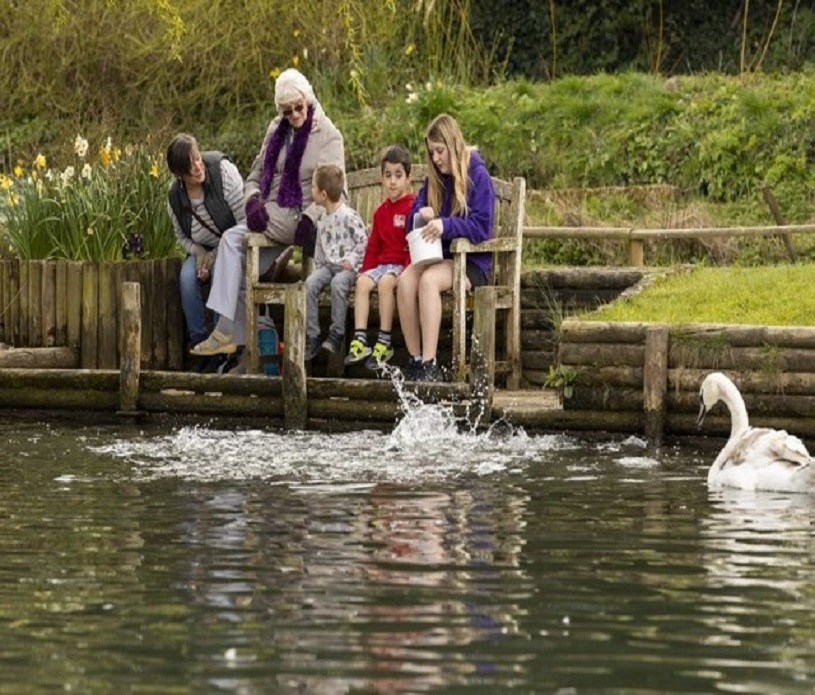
(434, 563)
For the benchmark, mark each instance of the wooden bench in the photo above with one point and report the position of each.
(502, 301)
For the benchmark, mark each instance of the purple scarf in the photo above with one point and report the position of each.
(290, 193)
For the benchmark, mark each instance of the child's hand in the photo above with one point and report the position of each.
(427, 213)
(433, 230)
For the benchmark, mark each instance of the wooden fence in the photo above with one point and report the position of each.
(645, 377)
(78, 306)
(635, 238)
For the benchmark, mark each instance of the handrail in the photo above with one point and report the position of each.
(635, 236)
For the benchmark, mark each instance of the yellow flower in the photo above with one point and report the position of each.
(5, 182)
(154, 170)
(297, 33)
(295, 60)
(410, 48)
(116, 154)
(274, 73)
(18, 171)
(39, 162)
(89, 231)
(104, 156)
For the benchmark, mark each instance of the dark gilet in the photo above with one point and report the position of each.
(214, 200)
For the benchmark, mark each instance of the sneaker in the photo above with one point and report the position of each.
(413, 369)
(357, 352)
(333, 343)
(312, 348)
(431, 371)
(380, 355)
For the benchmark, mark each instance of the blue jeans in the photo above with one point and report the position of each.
(342, 284)
(192, 302)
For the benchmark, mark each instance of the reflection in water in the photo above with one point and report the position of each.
(200, 560)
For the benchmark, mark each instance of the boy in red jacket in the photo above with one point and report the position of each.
(386, 257)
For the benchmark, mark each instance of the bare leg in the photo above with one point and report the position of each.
(387, 301)
(362, 302)
(407, 299)
(436, 279)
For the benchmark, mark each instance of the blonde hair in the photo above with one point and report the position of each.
(446, 130)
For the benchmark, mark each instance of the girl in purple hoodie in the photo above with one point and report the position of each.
(456, 200)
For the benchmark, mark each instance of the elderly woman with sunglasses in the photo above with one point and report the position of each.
(278, 202)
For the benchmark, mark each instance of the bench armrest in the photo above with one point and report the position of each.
(462, 245)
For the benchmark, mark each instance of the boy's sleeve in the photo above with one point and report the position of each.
(372, 250)
(359, 236)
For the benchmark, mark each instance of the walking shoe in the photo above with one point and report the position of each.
(333, 343)
(357, 352)
(312, 348)
(413, 369)
(380, 355)
(431, 371)
(216, 344)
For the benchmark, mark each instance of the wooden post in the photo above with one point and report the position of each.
(655, 382)
(130, 369)
(294, 370)
(106, 312)
(49, 304)
(73, 304)
(25, 311)
(13, 327)
(772, 203)
(636, 255)
(5, 301)
(482, 360)
(89, 350)
(61, 304)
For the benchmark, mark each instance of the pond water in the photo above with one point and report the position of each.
(196, 559)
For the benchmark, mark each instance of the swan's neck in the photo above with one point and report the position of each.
(738, 411)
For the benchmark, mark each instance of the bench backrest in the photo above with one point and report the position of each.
(365, 194)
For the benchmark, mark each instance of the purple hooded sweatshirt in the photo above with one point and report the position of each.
(477, 225)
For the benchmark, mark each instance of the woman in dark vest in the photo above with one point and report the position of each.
(205, 199)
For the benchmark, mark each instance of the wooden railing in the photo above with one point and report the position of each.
(635, 237)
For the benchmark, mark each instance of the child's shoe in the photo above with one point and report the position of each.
(380, 355)
(333, 343)
(312, 348)
(412, 371)
(357, 352)
(430, 371)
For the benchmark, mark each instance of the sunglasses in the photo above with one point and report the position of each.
(289, 111)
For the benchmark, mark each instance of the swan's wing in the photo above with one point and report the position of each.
(774, 445)
(764, 459)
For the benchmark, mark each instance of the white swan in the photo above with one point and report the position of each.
(754, 458)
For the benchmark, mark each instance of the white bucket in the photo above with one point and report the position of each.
(423, 253)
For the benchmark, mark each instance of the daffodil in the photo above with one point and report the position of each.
(5, 182)
(295, 60)
(80, 146)
(154, 170)
(40, 162)
(18, 171)
(89, 231)
(87, 171)
(104, 157)
(274, 73)
(409, 49)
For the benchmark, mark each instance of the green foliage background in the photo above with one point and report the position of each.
(566, 94)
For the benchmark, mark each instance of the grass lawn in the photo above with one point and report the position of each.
(778, 295)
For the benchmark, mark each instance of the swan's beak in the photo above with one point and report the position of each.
(702, 413)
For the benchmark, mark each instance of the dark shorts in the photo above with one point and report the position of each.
(475, 275)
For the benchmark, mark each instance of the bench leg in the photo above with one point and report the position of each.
(482, 378)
